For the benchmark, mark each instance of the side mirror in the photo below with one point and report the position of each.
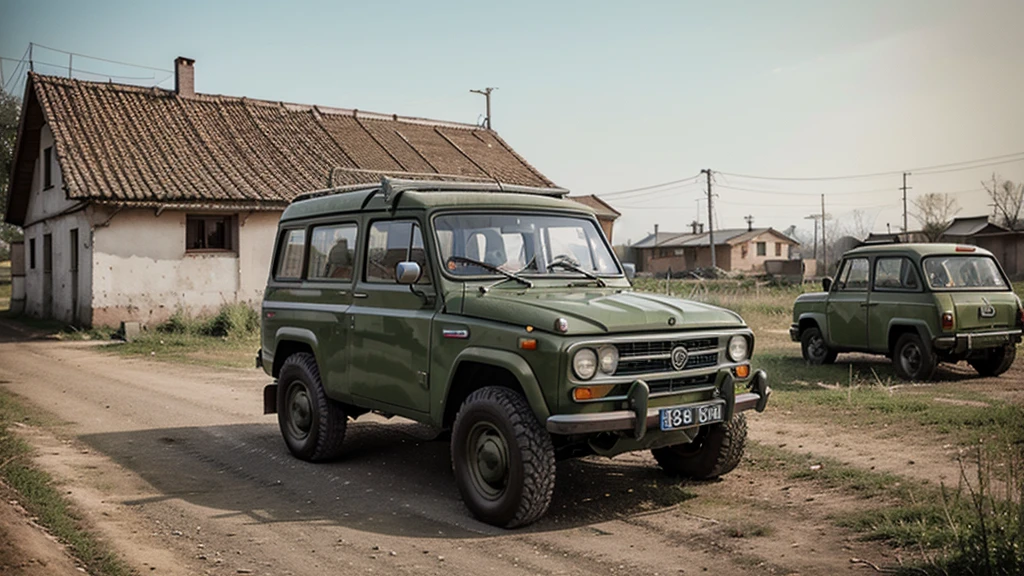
(407, 273)
(826, 283)
(630, 270)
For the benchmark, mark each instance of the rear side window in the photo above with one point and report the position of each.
(332, 252)
(392, 242)
(963, 273)
(895, 274)
(289, 255)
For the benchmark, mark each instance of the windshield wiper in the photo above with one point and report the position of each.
(508, 275)
(572, 266)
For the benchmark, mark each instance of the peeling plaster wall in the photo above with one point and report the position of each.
(50, 212)
(142, 271)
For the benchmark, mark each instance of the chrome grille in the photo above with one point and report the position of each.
(644, 357)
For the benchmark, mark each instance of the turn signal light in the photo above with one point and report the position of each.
(591, 392)
(947, 320)
(528, 343)
(743, 370)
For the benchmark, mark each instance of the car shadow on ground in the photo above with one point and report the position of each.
(393, 478)
(866, 368)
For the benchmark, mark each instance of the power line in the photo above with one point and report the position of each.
(652, 186)
(12, 80)
(806, 194)
(102, 74)
(102, 59)
(938, 168)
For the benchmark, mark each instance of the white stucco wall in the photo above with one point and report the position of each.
(141, 270)
(50, 212)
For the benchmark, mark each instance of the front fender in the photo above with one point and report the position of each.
(818, 318)
(512, 362)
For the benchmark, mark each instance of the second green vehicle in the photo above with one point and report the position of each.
(499, 313)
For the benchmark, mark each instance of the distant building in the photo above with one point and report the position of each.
(606, 215)
(737, 249)
(1007, 245)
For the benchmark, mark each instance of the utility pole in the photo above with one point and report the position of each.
(814, 217)
(711, 225)
(31, 66)
(824, 245)
(486, 93)
(906, 231)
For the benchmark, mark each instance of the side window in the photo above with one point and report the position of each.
(289, 255)
(391, 242)
(895, 274)
(332, 252)
(854, 277)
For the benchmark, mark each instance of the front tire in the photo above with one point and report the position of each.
(914, 360)
(312, 424)
(995, 361)
(717, 450)
(815, 349)
(503, 459)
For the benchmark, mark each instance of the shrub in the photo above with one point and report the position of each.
(231, 321)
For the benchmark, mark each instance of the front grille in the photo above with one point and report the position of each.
(680, 384)
(644, 357)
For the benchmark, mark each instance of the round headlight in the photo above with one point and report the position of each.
(584, 364)
(608, 357)
(738, 348)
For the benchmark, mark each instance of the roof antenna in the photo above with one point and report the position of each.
(750, 222)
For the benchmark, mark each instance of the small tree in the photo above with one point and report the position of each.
(1008, 199)
(934, 211)
(10, 111)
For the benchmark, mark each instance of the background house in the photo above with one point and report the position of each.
(138, 201)
(736, 250)
(606, 215)
(1007, 245)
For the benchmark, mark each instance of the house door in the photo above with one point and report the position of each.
(73, 255)
(47, 275)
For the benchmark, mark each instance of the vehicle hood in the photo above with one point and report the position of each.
(594, 311)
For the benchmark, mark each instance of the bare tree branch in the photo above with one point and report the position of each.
(934, 212)
(1008, 199)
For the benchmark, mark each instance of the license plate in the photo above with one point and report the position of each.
(690, 416)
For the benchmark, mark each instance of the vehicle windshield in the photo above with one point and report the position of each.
(977, 272)
(524, 243)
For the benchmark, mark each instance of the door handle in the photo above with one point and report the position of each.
(360, 295)
(868, 304)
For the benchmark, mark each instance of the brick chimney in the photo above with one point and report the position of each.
(184, 76)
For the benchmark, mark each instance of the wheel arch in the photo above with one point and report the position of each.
(476, 368)
(900, 326)
(812, 320)
(289, 341)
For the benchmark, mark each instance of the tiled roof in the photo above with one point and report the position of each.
(133, 144)
(731, 236)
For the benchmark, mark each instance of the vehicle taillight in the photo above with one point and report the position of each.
(947, 320)
(1020, 316)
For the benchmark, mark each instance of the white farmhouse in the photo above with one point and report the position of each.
(138, 201)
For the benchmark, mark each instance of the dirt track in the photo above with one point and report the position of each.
(178, 468)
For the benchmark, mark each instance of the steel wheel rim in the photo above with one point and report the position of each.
(487, 457)
(300, 411)
(816, 347)
(910, 358)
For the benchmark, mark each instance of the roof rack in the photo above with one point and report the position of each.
(392, 188)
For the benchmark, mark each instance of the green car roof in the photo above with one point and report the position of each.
(918, 249)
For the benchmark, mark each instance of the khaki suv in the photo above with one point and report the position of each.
(499, 313)
(918, 304)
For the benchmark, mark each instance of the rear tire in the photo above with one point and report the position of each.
(503, 459)
(312, 424)
(717, 450)
(914, 360)
(996, 361)
(815, 349)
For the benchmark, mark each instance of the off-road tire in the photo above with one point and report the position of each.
(995, 361)
(913, 359)
(717, 450)
(814, 347)
(312, 424)
(489, 418)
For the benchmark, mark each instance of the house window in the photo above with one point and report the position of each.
(32, 253)
(762, 248)
(208, 233)
(48, 168)
(778, 249)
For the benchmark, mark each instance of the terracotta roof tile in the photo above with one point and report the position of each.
(127, 143)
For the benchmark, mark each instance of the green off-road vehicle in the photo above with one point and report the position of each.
(499, 313)
(918, 304)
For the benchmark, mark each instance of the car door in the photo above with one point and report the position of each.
(847, 305)
(389, 322)
(895, 294)
(330, 273)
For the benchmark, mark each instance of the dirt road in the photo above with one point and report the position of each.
(177, 467)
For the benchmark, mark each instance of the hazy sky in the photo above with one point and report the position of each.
(606, 96)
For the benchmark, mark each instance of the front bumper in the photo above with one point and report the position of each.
(640, 417)
(794, 332)
(967, 341)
